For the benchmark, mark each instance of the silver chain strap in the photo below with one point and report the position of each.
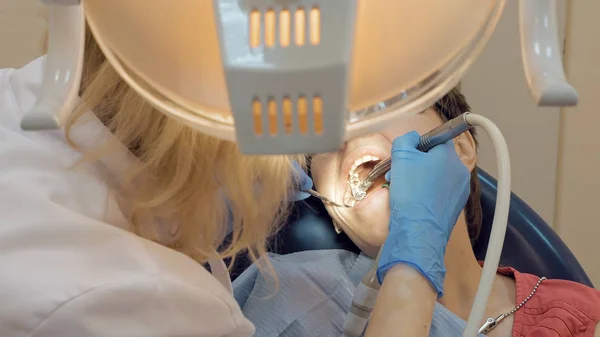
(491, 322)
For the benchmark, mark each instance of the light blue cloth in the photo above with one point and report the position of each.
(315, 293)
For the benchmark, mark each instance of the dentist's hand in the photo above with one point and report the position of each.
(303, 182)
(428, 191)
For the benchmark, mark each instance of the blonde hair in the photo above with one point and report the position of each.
(185, 177)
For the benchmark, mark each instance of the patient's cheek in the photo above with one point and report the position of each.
(374, 214)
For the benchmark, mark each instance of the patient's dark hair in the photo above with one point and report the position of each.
(450, 106)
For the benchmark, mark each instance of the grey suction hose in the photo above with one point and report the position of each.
(494, 249)
(366, 292)
(363, 303)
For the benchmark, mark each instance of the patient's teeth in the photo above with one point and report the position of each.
(359, 162)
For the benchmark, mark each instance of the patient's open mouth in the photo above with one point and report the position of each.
(358, 171)
(361, 167)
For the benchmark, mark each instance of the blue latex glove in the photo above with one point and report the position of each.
(427, 193)
(303, 182)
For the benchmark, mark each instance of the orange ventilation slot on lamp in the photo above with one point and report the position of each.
(285, 28)
(266, 25)
(255, 29)
(272, 110)
(257, 113)
(270, 25)
(318, 114)
(300, 24)
(288, 115)
(284, 112)
(315, 26)
(303, 115)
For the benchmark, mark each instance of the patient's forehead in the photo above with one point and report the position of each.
(421, 122)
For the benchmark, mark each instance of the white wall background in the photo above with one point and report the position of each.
(495, 87)
(578, 186)
(21, 28)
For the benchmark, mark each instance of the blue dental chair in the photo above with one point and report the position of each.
(531, 246)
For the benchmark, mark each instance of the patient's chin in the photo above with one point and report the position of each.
(373, 216)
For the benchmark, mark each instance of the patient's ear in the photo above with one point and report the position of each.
(466, 150)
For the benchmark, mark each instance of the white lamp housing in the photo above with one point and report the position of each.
(280, 76)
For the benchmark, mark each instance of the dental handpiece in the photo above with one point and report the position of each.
(440, 135)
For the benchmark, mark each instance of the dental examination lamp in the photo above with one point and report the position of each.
(299, 76)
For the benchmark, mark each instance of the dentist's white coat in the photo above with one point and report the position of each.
(69, 267)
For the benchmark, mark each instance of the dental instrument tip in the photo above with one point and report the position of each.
(325, 199)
